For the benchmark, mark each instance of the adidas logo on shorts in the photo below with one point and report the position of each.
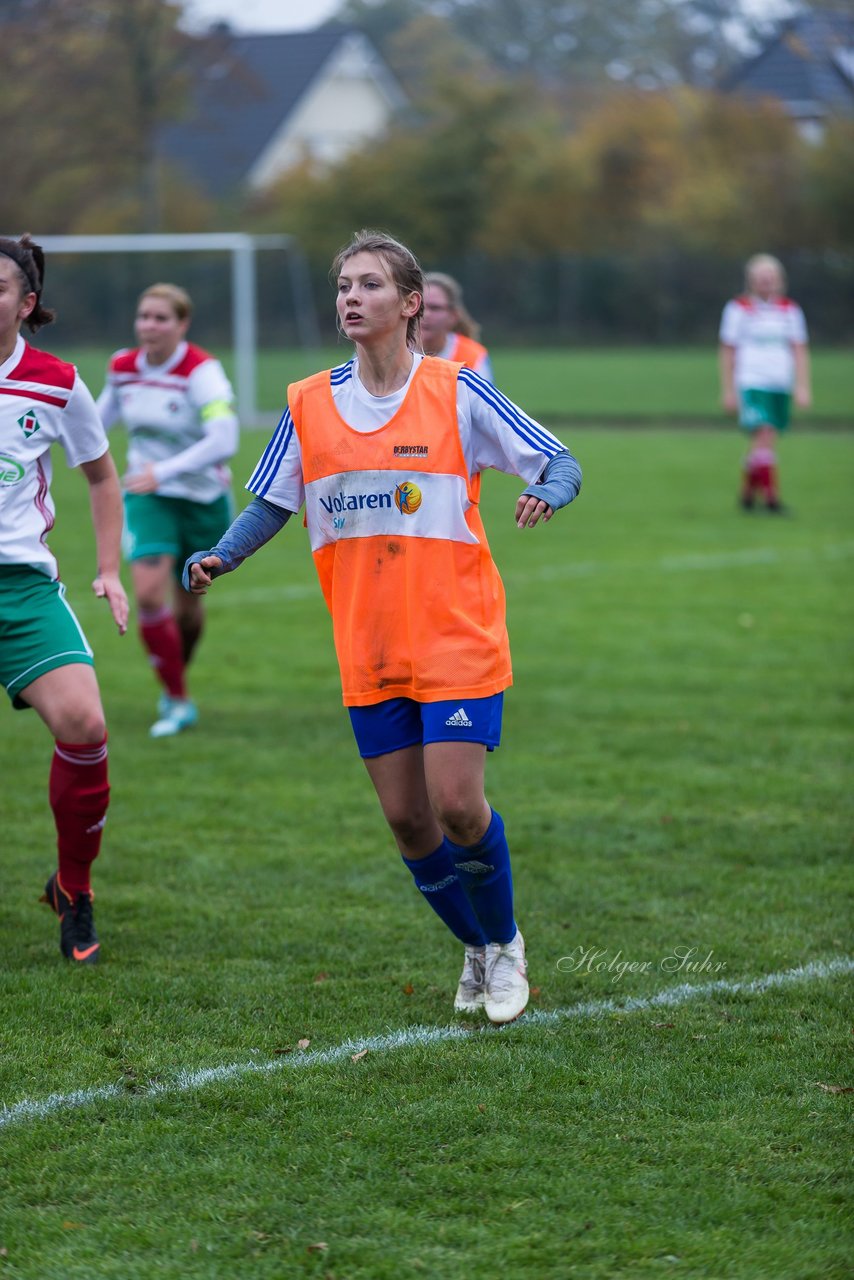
(459, 720)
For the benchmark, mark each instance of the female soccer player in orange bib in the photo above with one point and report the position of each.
(447, 329)
(386, 451)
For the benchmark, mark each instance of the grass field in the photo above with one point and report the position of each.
(674, 775)
(646, 385)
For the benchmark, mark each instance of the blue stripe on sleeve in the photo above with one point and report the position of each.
(524, 427)
(265, 472)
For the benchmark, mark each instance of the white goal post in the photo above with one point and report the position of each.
(242, 249)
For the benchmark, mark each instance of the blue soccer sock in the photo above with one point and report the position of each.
(484, 873)
(438, 882)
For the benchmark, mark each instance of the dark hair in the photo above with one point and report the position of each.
(28, 257)
(402, 263)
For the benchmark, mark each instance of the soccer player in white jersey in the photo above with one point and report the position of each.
(764, 356)
(178, 407)
(45, 659)
(387, 452)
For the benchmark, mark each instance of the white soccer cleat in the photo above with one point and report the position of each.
(506, 994)
(469, 997)
(175, 715)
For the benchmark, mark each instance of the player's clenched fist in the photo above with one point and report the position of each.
(202, 574)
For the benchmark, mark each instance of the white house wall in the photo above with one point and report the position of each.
(347, 104)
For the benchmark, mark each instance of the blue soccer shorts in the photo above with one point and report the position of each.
(401, 722)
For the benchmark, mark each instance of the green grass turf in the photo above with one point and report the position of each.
(673, 774)
(632, 385)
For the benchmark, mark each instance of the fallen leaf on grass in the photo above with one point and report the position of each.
(72, 1226)
(357, 1057)
(317, 1248)
(481, 1107)
(835, 1088)
(4, 1253)
(408, 990)
(535, 992)
(303, 1044)
(321, 977)
(194, 1246)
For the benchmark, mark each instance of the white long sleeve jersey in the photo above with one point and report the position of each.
(494, 432)
(180, 419)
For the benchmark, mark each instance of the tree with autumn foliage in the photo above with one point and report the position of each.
(435, 180)
(830, 188)
(493, 169)
(84, 88)
(656, 44)
(691, 169)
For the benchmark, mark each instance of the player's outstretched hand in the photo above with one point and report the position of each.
(530, 510)
(107, 586)
(201, 573)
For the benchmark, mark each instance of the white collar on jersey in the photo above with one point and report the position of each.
(361, 392)
(15, 358)
(168, 365)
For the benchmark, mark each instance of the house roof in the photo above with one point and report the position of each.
(243, 88)
(808, 66)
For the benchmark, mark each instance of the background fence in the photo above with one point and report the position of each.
(522, 301)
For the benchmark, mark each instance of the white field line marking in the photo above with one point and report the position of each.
(187, 1081)
(690, 562)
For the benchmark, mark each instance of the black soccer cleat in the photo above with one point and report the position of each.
(78, 940)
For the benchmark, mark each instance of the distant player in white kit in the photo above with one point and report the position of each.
(45, 659)
(764, 356)
(178, 406)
